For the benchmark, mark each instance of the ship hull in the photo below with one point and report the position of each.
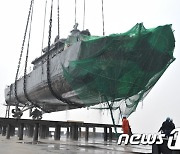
(37, 86)
(89, 70)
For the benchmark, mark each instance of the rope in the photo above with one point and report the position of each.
(84, 14)
(44, 27)
(103, 17)
(112, 117)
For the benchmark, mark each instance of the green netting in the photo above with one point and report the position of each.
(121, 67)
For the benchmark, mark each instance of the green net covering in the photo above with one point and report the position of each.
(121, 68)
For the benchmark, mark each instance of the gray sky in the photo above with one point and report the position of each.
(120, 16)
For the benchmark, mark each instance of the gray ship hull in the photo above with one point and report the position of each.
(37, 86)
(87, 70)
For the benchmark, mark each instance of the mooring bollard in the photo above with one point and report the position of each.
(35, 134)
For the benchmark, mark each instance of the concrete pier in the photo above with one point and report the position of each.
(79, 132)
(105, 134)
(0, 129)
(21, 131)
(8, 134)
(30, 130)
(87, 133)
(12, 133)
(75, 132)
(40, 129)
(43, 131)
(110, 134)
(57, 133)
(94, 132)
(68, 132)
(36, 131)
(4, 130)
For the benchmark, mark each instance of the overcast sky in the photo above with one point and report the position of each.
(120, 16)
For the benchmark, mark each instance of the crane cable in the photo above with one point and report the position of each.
(103, 17)
(60, 98)
(44, 27)
(75, 12)
(26, 61)
(21, 53)
(84, 14)
(58, 21)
